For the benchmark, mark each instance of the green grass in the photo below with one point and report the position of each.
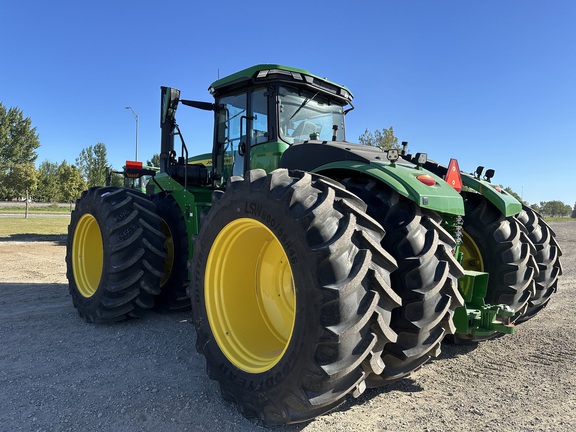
(17, 227)
(559, 219)
(21, 209)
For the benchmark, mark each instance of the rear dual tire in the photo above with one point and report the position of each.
(498, 245)
(547, 256)
(174, 283)
(426, 278)
(114, 254)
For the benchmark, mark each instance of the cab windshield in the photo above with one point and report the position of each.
(306, 115)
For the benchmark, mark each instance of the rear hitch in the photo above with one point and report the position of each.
(476, 320)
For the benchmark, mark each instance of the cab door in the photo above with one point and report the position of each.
(241, 124)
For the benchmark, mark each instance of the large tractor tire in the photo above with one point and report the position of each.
(547, 257)
(114, 254)
(426, 278)
(498, 245)
(290, 295)
(174, 283)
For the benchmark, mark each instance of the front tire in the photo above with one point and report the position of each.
(113, 254)
(291, 296)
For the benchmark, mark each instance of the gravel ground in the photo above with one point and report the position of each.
(58, 373)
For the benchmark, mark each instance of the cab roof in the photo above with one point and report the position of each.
(274, 72)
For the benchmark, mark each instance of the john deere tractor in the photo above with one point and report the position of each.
(314, 267)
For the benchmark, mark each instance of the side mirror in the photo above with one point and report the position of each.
(168, 104)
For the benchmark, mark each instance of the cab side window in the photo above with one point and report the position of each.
(230, 118)
(259, 107)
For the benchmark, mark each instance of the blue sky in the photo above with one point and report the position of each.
(490, 82)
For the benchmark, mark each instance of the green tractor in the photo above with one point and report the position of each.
(315, 267)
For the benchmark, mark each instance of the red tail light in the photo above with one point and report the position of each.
(426, 179)
(133, 165)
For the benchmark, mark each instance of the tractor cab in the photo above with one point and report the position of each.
(259, 113)
(263, 110)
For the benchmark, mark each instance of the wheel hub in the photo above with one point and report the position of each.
(250, 295)
(87, 255)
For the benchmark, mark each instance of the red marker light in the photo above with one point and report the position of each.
(498, 188)
(133, 165)
(453, 177)
(426, 179)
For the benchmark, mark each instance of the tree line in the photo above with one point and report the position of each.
(65, 182)
(51, 181)
(546, 208)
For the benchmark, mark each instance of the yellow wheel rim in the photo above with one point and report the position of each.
(250, 295)
(169, 248)
(472, 259)
(87, 255)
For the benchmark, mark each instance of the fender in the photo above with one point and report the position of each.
(506, 203)
(339, 160)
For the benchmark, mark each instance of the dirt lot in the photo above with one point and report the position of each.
(58, 373)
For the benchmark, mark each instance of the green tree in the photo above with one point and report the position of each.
(573, 215)
(22, 179)
(554, 208)
(70, 183)
(384, 139)
(92, 164)
(18, 144)
(155, 161)
(47, 190)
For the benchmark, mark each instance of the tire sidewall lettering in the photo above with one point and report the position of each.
(257, 382)
(258, 211)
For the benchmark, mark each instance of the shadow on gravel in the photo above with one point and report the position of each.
(404, 385)
(60, 239)
(455, 349)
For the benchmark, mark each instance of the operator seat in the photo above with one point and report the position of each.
(304, 130)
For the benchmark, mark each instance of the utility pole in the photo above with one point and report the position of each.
(135, 118)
